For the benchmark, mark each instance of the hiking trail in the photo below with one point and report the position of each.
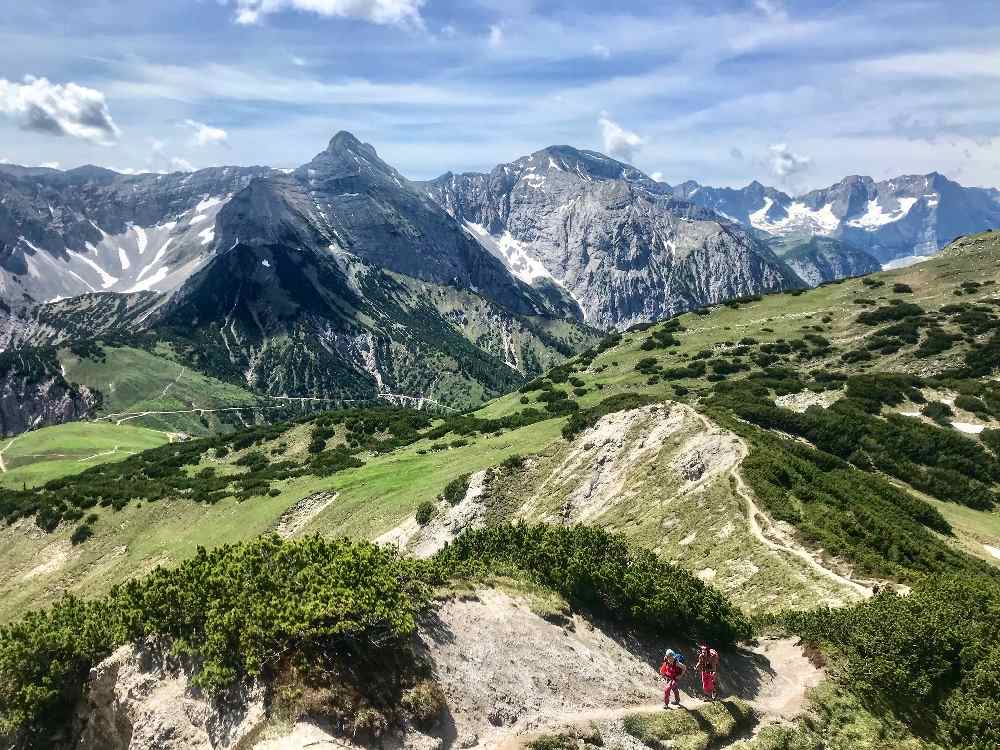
(755, 514)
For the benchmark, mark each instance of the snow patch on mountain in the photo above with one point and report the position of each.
(906, 260)
(107, 280)
(206, 235)
(144, 286)
(875, 216)
(797, 214)
(515, 254)
(140, 238)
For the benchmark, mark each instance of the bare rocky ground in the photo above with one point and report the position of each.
(299, 515)
(447, 523)
(508, 675)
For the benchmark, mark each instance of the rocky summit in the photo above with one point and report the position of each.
(617, 241)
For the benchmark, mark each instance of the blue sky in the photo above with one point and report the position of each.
(795, 93)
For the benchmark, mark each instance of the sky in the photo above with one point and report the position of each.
(794, 93)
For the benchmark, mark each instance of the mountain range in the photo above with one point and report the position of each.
(897, 220)
(343, 280)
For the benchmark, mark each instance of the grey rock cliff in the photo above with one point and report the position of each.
(617, 241)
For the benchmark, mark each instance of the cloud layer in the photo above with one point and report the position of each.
(695, 90)
(785, 163)
(58, 109)
(375, 11)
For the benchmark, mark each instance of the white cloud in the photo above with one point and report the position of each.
(50, 164)
(783, 162)
(773, 9)
(601, 51)
(403, 12)
(961, 64)
(181, 165)
(299, 62)
(214, 83)
(496, 36)
(205, 135)
(449, 30)
(658, 176)
(618, 141)
(58, 109)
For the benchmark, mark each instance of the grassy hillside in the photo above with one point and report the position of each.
(34, 458)
(808, 332)
(153, 389)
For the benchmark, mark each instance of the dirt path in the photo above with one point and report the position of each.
(781, 699)
(754, 514)
(3, 466)
(111, 452)
(171, 384)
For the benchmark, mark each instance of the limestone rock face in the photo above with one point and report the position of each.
(140, 699)
(623, 247)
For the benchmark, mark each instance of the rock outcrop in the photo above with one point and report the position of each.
(139, 698)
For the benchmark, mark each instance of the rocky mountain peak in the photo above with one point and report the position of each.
(347, 141)
(345, 156)
(587, 165)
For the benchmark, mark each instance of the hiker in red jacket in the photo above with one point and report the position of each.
(708, 665)
(671, 670)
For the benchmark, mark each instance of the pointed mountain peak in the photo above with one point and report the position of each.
(345, 156)
(345, 141)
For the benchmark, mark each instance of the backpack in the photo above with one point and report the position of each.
(711, 659)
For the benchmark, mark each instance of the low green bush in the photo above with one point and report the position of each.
(603, 573)
(425, 511)
(241, 610)
(932, 657)
(454, 491)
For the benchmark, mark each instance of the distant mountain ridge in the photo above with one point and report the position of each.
(894, 220)
(617, 241)
(91, 229)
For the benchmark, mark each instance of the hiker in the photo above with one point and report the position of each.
(671, 670)
(708, 665)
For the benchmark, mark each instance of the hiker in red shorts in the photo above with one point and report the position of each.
(708, 665)
(671, 670)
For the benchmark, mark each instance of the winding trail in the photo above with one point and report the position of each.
(172, 383)
(111, 452)
(754, 514)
